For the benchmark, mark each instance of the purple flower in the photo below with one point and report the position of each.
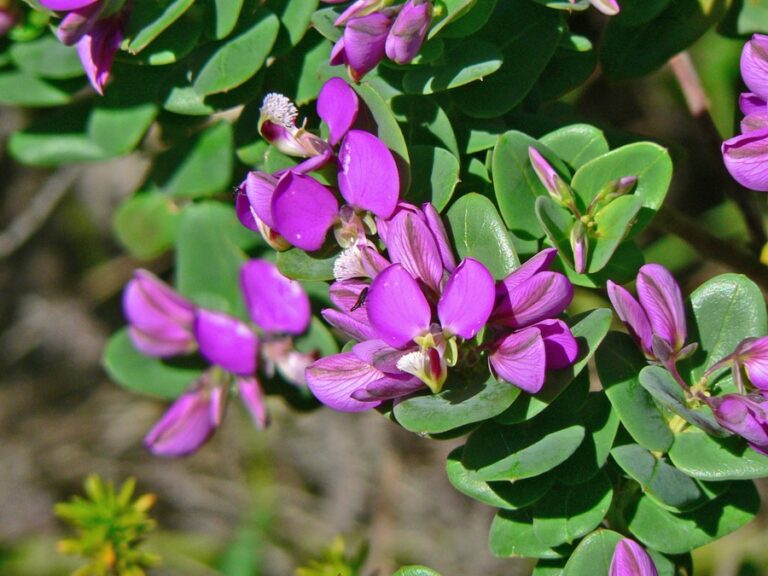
(751, 355)
(745, 416)
(161, 322)
(609, 7)
(363, 44)
(549, 178)
(657, 321)
(527, 302)
(408, 31)
(629, 559)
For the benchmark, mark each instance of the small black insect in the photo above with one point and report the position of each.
(360, 299)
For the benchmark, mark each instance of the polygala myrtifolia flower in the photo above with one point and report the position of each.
(630, 559)
(162, 323)
(584, 223)
(746, 155)
(374, 29)
(290, 208)
(657, 321)
(745, 415)
(96, 27)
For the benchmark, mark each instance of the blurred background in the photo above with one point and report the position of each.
(262, 504)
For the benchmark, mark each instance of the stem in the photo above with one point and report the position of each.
(698, 105)
(672, 221)
(672, 367)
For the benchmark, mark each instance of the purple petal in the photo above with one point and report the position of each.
(633, 316)
(547, 175)
(77, 24)
(410, 242)
(755, 121)
(260, 188)
(746, 158)
(754, 65)
(437, 227)
(662, 301)
(467, 300)
(303, 210)
(186, 425)
(559, 344)
(364, 43)
(544, 295)
(347, 295)
(163, 346)
(538, 263)
(408, 31)
(252, 397)
(338, 55)
(389, 387)
(397, 308)
(334, 379)
(227, 342)
(629, 559)
(379, 354)
(97, 50)
(368, 177)
(753, 355)
(749, 103)
(520, 359)
(355, 10)
(244, 212)
(275, 303)
(337, 105)
(62, 5)
(609, 7)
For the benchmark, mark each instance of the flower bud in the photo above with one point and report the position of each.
(629, 559)
(611, 191)
(549, 178)
(362, 46)
(160, 320)
(745, 416)
(277, 124)
(408, 31)
(360, 8)
(579, 246)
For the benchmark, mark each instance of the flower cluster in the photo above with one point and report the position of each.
(373, 29)
(745, 155)
(96, 27)
(291, 208)
(162, 324)
(417, 314)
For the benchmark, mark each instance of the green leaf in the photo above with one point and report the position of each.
(576, 144)
(478, 232)
(502, 494)
(47, 57)
(150, 19)
(118, 130)
(296, 19)
(667, 392)
(451, 10)
(299, 265)
(317, 339)
(637, 12)
(670, 488)
(468, 61)
(530, 38)
(472, 20)
(146, 224)
(678, 533)
(707, 458)
(567, 70)
(323, 20)
(744, 18)
(570, 512)
(725, 310)
(649, 162)
(174, 43)
(416, 571)
(227, 13)
(593, 555)
(237, 59)
(18, 88)
(634, 51)
(512, 534)
(138, 373)
(424, 122)
(619, 362)
(621, 268)
(209, 256)
(549, 567)
(516, 185)
(497, 452)
(459, 403)
(613, 224)
(199, 168)
(556, 221)
(589, 329)
(434, 174)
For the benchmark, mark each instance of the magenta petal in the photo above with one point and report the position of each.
(408, 31)
(538, 263)
(348, 325)
(226, 341)
(252, 397)
(355, 10)
(303, 210)
(608, 7)
(337, 105)
(544, 295)
(389, 387)
(244, 212)
(163, 346)
(347, 295)
(397, 308)
(754, 65)
(467, 300)
(275, 303)
(629, 559)
(77, 24)
(185, 426)
(755, 121)
(334, 379)
(97, 50)
(749, 103)
(632, 315)
(746, 158)
(364, 43)
(260, 187)
(410, 243)
(753, 355)
(559, 344)
(662, 301)
(62, 5)
(437, 227)
(368, 177)
(520, 359)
